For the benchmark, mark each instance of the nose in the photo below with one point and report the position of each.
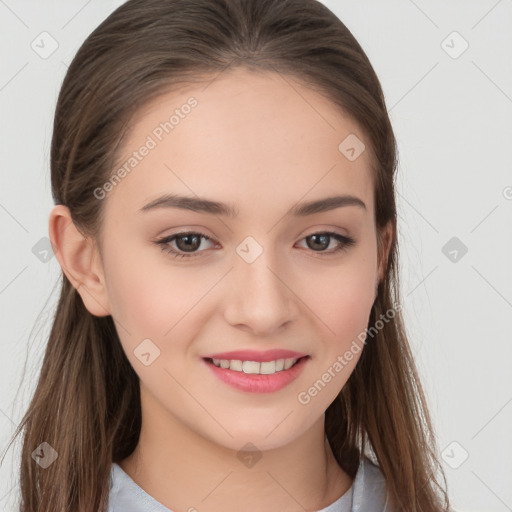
(261, 300)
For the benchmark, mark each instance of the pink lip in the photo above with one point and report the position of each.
(254, 355)
(256, 383)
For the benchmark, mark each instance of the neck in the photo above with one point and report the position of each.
(185, 471)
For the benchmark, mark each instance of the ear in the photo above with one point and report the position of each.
(385, 238)
(79, 259)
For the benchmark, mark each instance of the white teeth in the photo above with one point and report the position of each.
(289, 363)
(235, 365)
(250, 367)
(254, 367)
(268, 368)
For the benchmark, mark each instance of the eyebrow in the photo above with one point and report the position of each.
(202, 205)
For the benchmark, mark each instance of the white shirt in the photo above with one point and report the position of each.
(367, 493)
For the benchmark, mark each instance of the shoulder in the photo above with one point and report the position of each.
(119, 488)
(126, 496)
(369, 489)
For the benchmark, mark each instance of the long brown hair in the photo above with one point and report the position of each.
(87, 404)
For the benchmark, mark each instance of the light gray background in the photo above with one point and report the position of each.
(452, 115)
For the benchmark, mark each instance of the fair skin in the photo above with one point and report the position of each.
(257, 143)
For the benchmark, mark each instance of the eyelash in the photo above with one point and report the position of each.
(345, 242)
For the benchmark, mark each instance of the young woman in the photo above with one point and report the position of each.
(228, 335)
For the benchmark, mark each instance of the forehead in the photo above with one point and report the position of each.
(241, 135)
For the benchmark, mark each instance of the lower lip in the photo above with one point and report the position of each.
(256, 383)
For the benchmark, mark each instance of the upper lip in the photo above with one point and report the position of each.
(258, 356)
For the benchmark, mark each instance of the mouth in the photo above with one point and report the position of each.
(255, 376)
(256, 367)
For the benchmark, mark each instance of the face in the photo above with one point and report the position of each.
(184, 283)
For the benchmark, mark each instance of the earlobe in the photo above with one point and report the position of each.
(79, 259)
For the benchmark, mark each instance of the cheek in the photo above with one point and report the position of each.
(349, 308)
(141, 292)
(342, 302)
(342, 298)
(135, 297)
(150, 299)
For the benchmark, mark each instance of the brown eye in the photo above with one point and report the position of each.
(188, 242)
(319, 242)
